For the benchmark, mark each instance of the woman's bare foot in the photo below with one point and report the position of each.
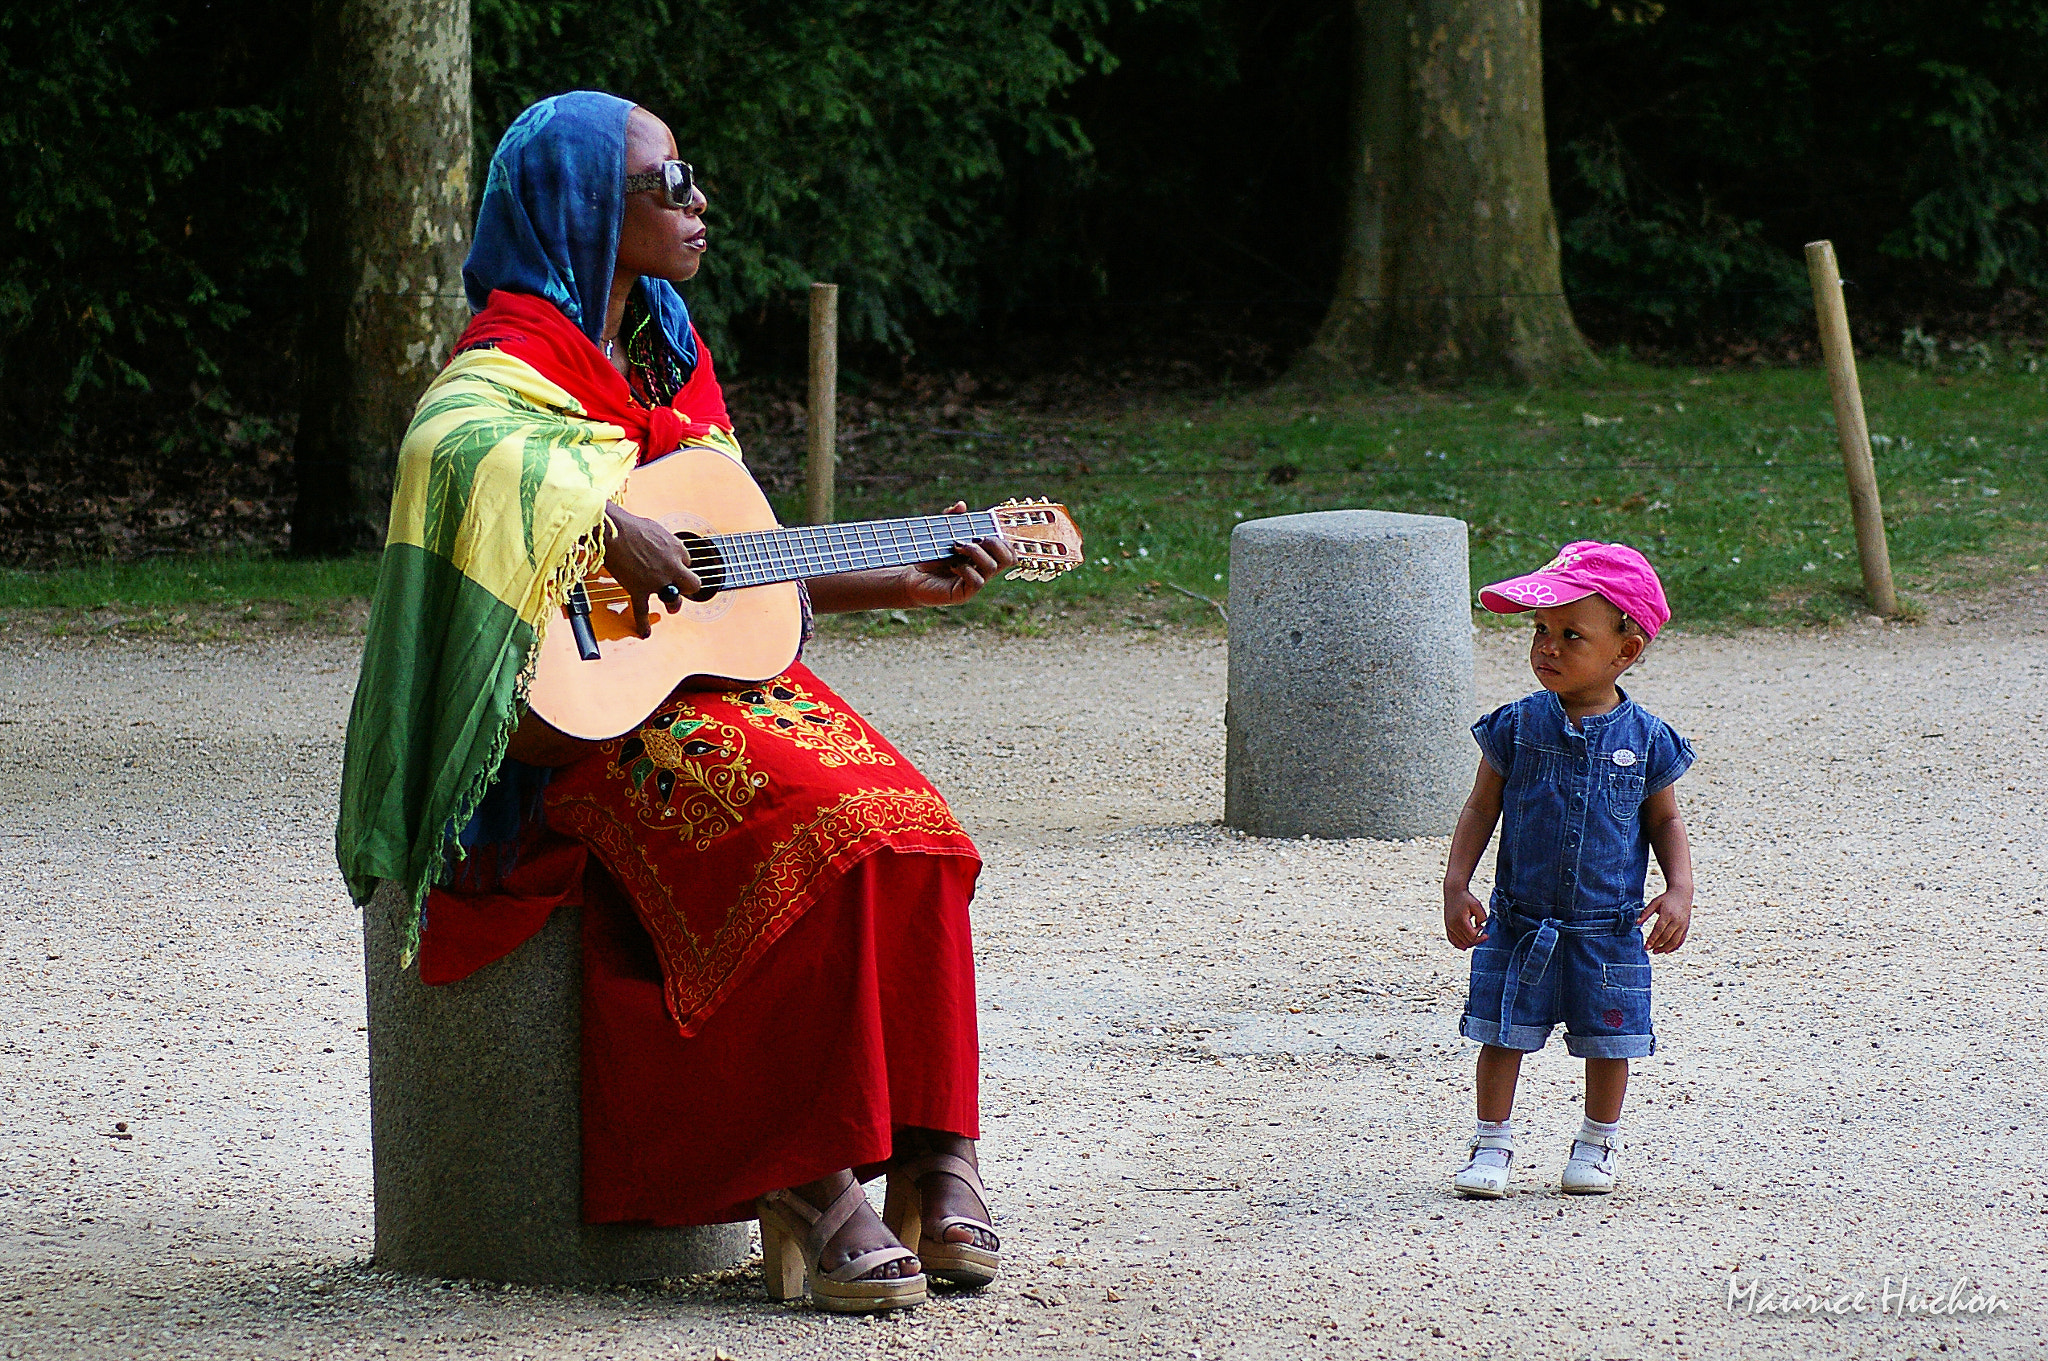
(862, 1233)
(944, 1194)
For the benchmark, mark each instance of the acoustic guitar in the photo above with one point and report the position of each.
(596, 678)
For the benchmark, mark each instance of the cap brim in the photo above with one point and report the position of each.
(1537, 591)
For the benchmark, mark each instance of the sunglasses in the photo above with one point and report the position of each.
(676, 181)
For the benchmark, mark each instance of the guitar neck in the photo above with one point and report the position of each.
(770, 555)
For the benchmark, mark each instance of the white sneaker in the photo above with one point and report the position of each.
(1486, 1174)
(1590, 1170)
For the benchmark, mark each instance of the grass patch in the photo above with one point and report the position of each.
(156, 584)
(1729, 480)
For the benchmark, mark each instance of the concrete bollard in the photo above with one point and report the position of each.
(476, 1123)
(1350, 676)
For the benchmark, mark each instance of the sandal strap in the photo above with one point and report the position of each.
(846, 1273)
(950, 1165)
(823, 1223)
(844, 1206)
(970, 1221)
(793, 1203)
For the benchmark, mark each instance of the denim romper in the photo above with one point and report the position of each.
(1562, 942)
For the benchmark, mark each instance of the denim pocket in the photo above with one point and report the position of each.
(1488, 958)
(1625, 977)
(1489, 982)
(1624, 794)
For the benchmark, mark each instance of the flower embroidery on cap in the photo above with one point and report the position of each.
(1624, 757)
(1525, 593)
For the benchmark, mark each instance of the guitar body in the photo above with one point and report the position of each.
(750, 625)
(739, 635)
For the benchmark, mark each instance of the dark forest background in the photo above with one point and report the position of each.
(1075, 193)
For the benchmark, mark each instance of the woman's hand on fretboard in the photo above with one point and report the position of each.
(956, 580)
(947, 581)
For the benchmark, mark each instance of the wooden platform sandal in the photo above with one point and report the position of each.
(967, 1264)
(793, 1236)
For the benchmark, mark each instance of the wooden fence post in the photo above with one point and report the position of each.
(824, 417)
(1850, 427)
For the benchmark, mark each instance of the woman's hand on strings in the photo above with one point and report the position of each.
(643, 557)
(956, 580)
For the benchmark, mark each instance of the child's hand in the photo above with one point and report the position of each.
(1464, 918)
(1465, 915)
(1673, 910)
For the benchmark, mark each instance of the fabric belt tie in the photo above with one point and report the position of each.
(1535, 947)
(1534, 950)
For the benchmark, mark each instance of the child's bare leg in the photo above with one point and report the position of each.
(1493, 1143)
(1590, 1169)
(1499, 1069)
(1606, 1085)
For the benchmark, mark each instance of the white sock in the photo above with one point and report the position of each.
(1591, 1130)
(1494, 1129)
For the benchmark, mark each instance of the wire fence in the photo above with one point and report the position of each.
(1082, 304)
(1283, 471)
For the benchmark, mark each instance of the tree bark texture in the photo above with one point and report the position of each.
(1451, 266)
(389, 197)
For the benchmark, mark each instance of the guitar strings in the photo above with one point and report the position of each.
(759, 557)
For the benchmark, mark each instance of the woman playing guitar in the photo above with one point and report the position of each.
(778, 990)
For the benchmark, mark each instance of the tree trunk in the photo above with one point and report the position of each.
(389, 199)
(1451, 266)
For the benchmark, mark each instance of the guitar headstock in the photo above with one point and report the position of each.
(1044, 535)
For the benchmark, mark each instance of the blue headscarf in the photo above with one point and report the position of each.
(549, 221)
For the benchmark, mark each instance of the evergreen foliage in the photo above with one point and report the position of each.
(1698, 144)
(1060, 161)
(152, 203)
(858, 141)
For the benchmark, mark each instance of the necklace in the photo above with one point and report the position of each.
(609, 341)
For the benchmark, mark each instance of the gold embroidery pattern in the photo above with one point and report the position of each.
(722, 838)
(689, 775)
(790, 877)
(784, 708)
(863, 815)
(625, 852)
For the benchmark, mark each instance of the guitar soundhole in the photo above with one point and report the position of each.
(706, 562)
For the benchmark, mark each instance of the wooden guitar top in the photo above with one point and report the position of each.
(743, 635)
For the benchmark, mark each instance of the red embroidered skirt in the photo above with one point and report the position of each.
(727, 812)
(858, 1022)
(778, 965)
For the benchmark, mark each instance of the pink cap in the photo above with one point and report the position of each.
(1612, 570)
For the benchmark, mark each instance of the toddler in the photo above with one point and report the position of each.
(1580, 780)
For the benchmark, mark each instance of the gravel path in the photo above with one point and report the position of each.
(1223, 1079)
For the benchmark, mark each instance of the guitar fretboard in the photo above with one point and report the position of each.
(768, 555)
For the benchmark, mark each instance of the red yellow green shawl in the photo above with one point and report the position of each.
(503, 478)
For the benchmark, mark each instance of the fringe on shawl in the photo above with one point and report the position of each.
(585, 556)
